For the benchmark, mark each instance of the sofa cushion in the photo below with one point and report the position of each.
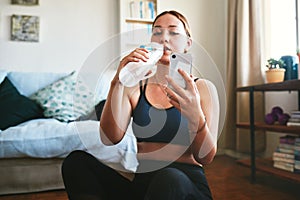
(16, 108)
(3, 74)
(28, 83)
(66, 99)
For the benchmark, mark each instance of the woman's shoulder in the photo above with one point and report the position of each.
(203, 82)
(206, 86)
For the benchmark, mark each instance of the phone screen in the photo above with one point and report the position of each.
(183, 61)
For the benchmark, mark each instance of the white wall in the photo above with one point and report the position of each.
(207, 19)
(69, 31)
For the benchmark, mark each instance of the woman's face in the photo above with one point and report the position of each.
(169, 31)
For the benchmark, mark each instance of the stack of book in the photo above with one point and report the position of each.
(284, 156)
(142, 9)
(295, 119)
(297, 155)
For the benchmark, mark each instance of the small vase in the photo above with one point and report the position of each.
(275, 75)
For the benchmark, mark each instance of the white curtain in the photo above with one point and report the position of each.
(244, 47)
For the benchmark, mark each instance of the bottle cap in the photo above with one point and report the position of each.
(149, 48)
(153, 46)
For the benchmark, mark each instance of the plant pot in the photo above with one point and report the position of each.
(275, 75)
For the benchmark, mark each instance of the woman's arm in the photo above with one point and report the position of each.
(199, 103)
(204, 146)
(117, 109)
(115, 115)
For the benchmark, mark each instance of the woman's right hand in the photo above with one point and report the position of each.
(139, 54)
(117, 110)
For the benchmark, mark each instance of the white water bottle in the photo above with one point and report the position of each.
(133, 72)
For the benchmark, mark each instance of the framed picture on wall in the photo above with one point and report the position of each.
(25, 28)
(25, 2)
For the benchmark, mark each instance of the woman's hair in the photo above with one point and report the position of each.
(178, 16)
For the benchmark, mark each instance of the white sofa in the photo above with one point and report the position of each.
(31, 153)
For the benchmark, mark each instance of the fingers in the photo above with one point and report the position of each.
(187, 77)
(171, 94)
(178, 89)
(173, 84)
(173, 98)
(140, 54)
(179, 94)
(135, 56)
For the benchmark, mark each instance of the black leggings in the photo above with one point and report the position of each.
(87, 178)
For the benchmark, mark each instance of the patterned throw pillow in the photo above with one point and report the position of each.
(66, 99)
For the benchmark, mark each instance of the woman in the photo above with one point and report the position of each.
(170, 159)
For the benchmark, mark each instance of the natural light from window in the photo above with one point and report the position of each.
(280, 28)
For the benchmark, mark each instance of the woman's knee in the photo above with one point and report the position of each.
(73, 161)
(171, 176)
(170, 183)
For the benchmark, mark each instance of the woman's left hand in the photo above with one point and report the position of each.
(186, 100)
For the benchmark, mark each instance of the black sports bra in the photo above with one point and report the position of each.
(151, 124)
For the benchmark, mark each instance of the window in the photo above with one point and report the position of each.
(280, 30)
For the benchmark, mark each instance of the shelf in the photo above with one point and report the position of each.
(281, 86)
(139, 21)
(289, 85)
(136, 18)
(274, 128)
(266, 165)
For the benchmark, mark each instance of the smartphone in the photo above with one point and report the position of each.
(182, 61)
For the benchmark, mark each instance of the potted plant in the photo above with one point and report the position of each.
(275, 71)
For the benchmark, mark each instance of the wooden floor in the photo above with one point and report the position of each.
(227, 179)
